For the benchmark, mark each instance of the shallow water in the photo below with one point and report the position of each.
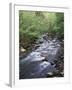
(38, 63)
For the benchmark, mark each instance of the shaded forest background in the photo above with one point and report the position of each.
(33, 24)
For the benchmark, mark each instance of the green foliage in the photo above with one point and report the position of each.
(33, 24)
(60, 25)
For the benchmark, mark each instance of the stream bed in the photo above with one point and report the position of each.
(42, 61)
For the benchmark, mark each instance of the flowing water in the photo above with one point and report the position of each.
(38, 63)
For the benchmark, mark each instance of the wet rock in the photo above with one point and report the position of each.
(44, 60)
(52, 63)
(44, 55)
(45, 37)
(36, 46)
(49, 74)
(22, 49)
(40, 41)
(62, 73)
